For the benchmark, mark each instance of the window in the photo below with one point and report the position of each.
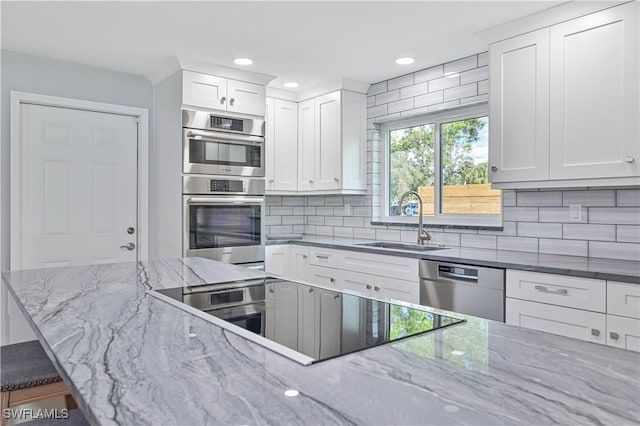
(444, 158)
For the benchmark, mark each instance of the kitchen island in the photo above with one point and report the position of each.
(130, 358)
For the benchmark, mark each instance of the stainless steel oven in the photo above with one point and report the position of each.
(224, 219)
(222, 145)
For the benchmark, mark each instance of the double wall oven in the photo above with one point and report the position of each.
(223, 188)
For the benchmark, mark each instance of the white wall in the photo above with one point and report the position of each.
(34, 74)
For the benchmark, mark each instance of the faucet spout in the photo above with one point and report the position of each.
(423, 235)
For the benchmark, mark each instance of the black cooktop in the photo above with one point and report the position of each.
(317, 322)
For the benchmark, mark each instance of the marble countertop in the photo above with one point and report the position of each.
(586, 267)
(130, 358)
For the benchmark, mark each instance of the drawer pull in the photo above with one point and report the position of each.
(614, 335)
(333, 280)
(304, 256)
(595, 332)
(544, 289)
(368, 287)
(322, 256)
(376, 288)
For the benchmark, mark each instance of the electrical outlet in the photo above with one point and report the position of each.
(575, 212)
(347, 209)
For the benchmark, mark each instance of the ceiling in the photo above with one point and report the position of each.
(303, 41)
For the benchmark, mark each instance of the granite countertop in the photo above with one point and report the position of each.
(586, 267)
(130, 358)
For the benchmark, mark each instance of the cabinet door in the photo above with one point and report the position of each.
(623, 299)
(202, 90)
(306, 145)
(284, 297)
(354, 140)
(245, 98)
(583, 325)
(269, 145)
(286, 145)
(320, 275)
(300, 256)
(623, 332)
(329, 318)
(519, 108)
(328, 151)
(390, 288)
(355, 282)
(277, 261)
(308, 331)
(594, 126)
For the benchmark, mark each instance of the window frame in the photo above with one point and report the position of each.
(436, 118)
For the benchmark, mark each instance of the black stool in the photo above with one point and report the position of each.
(27, 375)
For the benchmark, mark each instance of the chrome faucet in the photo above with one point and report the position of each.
(423, 235)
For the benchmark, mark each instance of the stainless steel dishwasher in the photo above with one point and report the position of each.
(470, 290)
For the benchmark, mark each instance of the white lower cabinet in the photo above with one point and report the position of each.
(384, 288)
(276, 260)
(623, 332)
(323, 276)
(576, 323)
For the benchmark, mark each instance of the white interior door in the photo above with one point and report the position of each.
(78, 188)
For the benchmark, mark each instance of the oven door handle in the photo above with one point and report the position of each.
(226, 200)
(221, 137)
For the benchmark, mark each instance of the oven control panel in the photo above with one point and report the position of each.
(219, 185)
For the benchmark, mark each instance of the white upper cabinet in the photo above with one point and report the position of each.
(594, 96)
(564, 103)
(281, 145)
(327, 142)
(519, 107)
(222, 94)
(306, 145)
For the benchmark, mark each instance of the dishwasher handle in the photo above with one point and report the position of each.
(458, 273)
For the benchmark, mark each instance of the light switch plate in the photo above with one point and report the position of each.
(575, 212)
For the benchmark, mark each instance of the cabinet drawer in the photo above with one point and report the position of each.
(390, 288)
(356, 282)
(583, 325)
(323, 257)
(375, 264)
(562, 290)
(623, 299)
(323, 276)
(623, 332)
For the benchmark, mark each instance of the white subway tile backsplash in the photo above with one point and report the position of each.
(402, 105)
(377, 111)
(518, 244)
(364, 233)
(374, 89)
(292, 201)
(560, 214)
(387, 235)
(315, 220)
(315, 201)
(398, 82)
(444, 105)
(624, 251)
(628, 234)
(474, 99)
(444, 83)
(273, 220)
(540, 230)
(371, 101)
(483, 87)
(428, 74)
(355, 222)
(478, 241)
(599, 198)
(280, 211)
(333, 221)
(324, 230)
(280, 230)
(520, 214)
(483, 59)
(473, 75)
(429, 99)
(508, 198)
(566, 247)
(414, 112)
(616, 215)
(324, 211)
(415, 90)
(343, 232)
(539, 199)
(571, 231)
(628, 198)
(461, 64)
(385, 98)
(508, 229)
(444, 239)
(292, 220)
(460, 92)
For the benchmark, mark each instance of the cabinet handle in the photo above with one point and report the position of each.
(595, 332)
(614, 335)
(231, 101)
(333, 280)
(271, 290)
(337, 296)
(544, 289)
(310, 181)
(494, 168)
(270, 180)
(368, 287)
(223, 100)
(376, 288)
(322, 256)
(304, 256)
(310, 290)
(629, 159)
(336, 180)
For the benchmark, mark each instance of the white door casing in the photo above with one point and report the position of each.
(43, 174)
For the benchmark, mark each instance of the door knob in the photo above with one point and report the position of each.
(222, 99)
(494, 168)
(131, 230)
(231, 101)
(130, 246)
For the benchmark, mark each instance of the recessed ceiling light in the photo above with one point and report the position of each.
(243, 61)
(405, 61)
(291, 85)
(291, 392)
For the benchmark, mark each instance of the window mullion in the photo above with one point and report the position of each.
(437, 173)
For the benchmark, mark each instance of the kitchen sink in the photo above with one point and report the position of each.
(398, 246)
